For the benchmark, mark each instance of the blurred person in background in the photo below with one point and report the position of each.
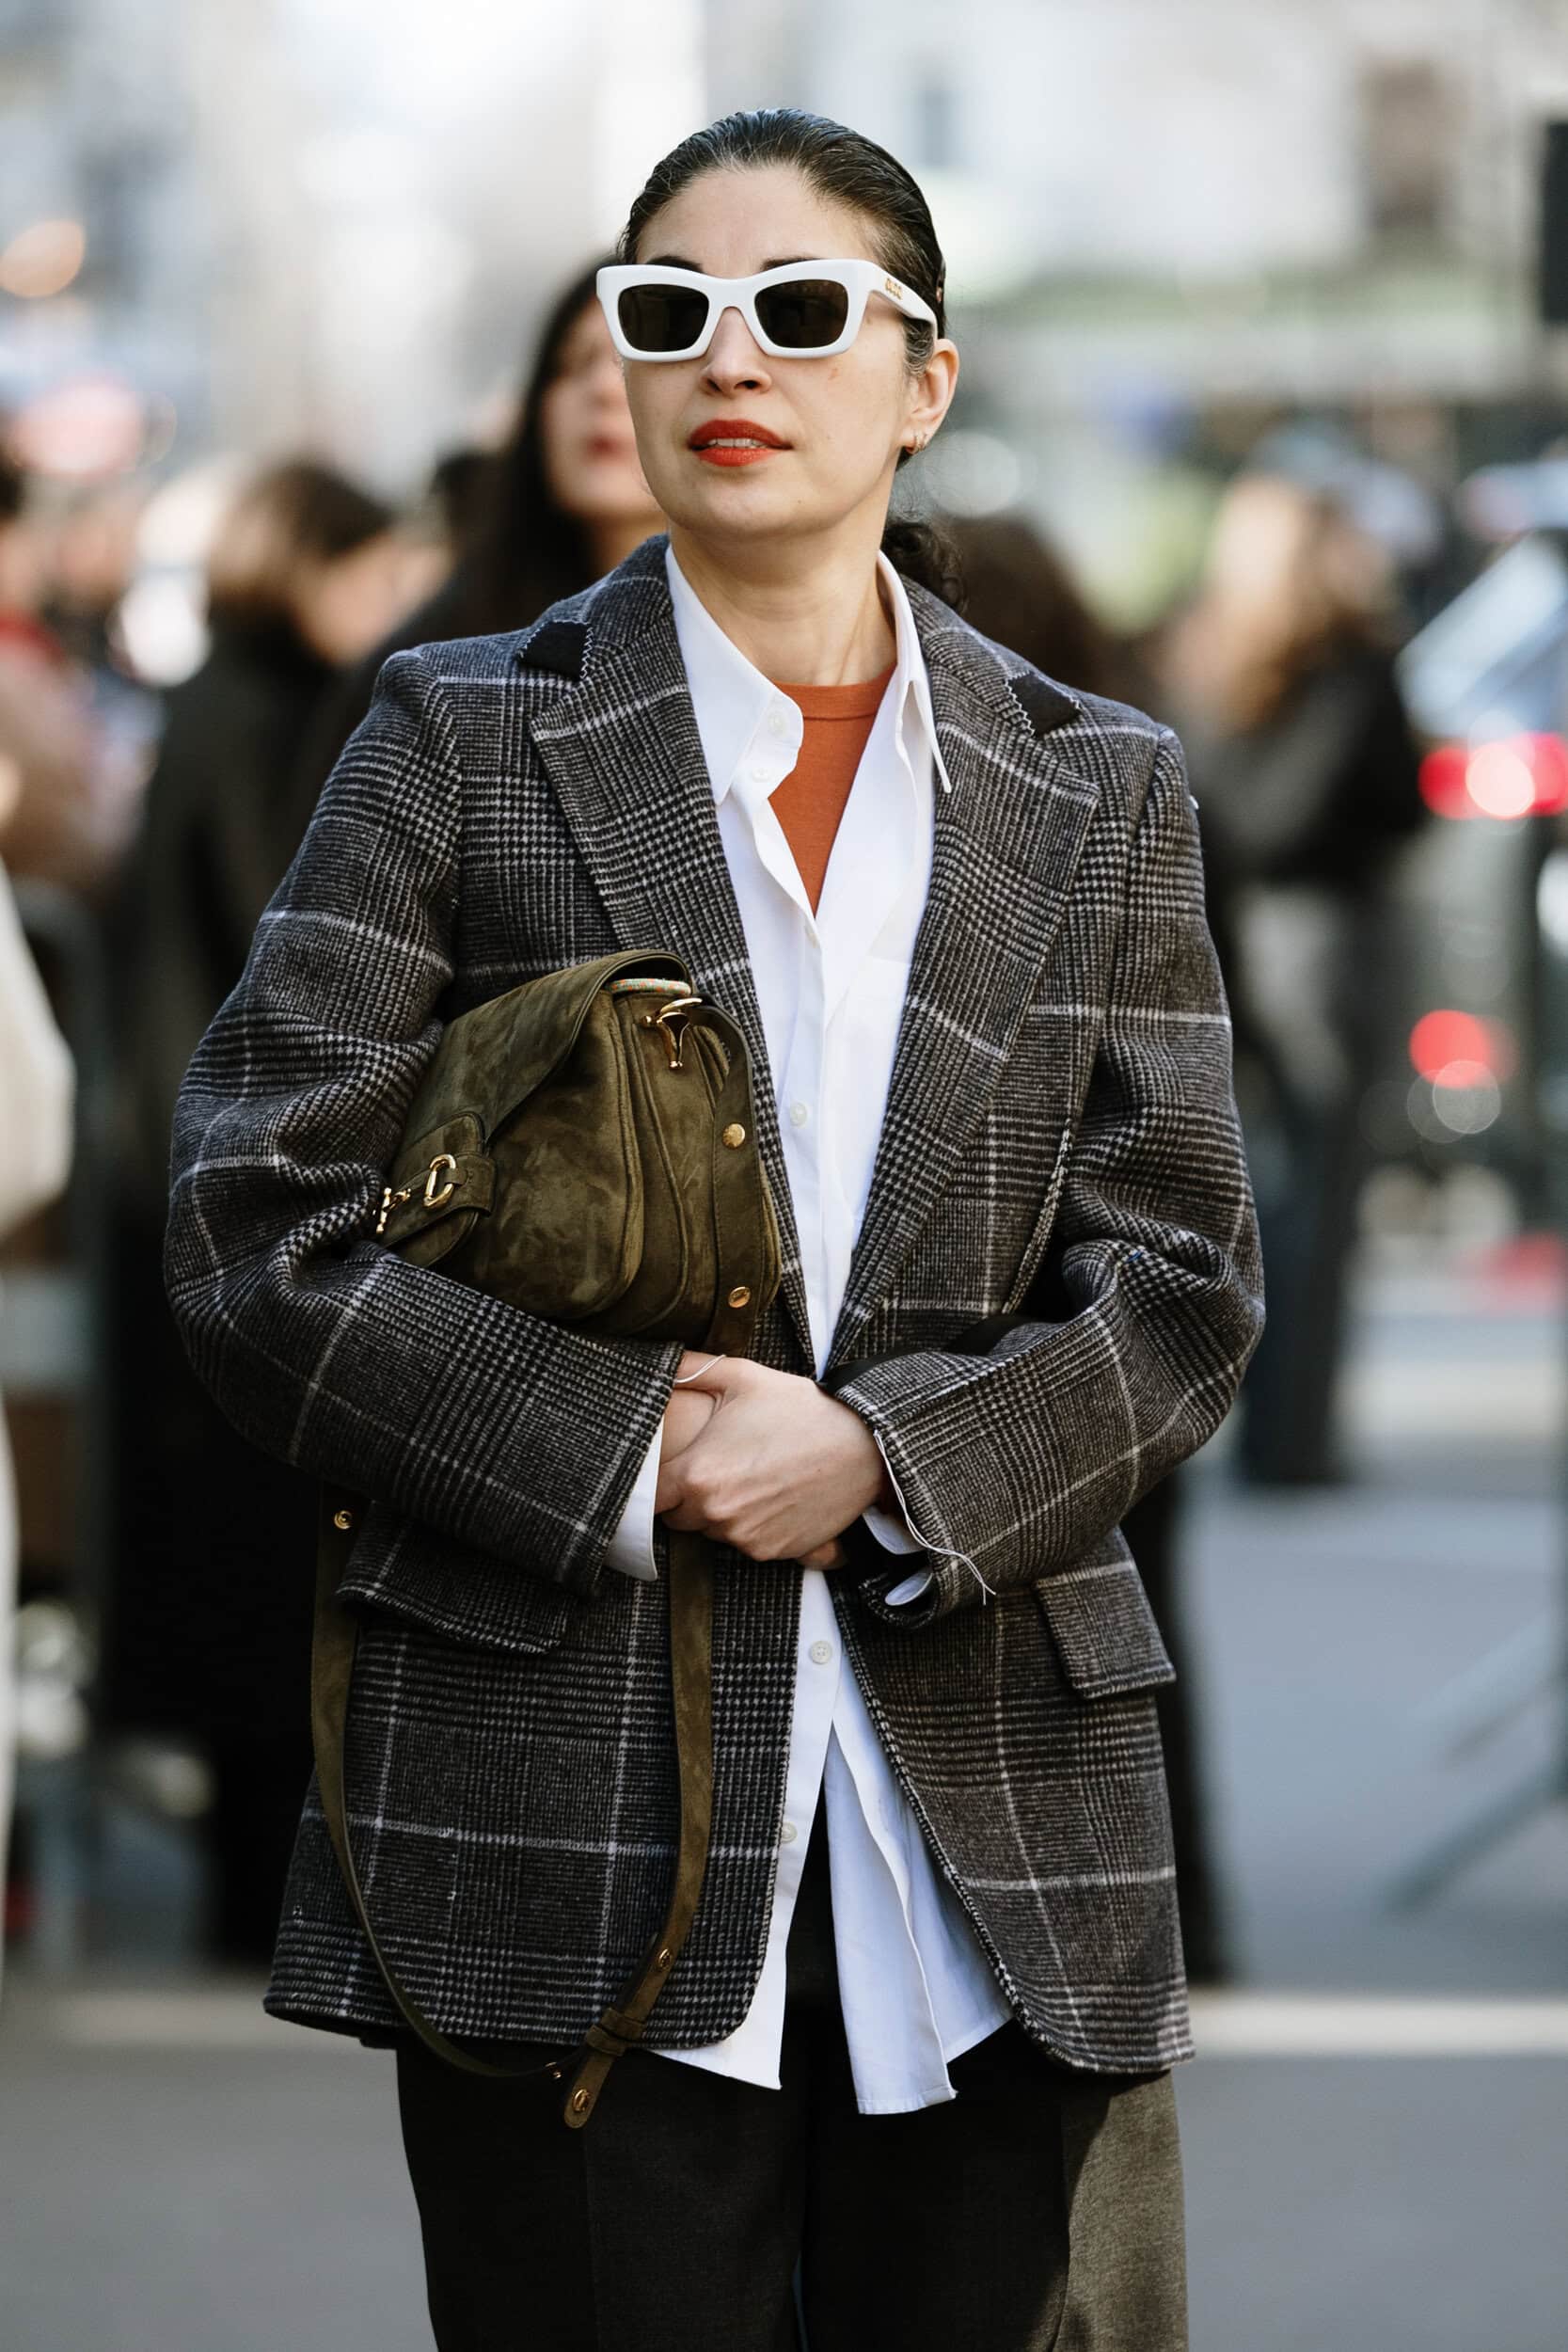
(1017, 588)
(307, 572)
(93, 562)
(67, 795)
(208, 1631)
(37, 1104)
(1281, 678)
(556, 507)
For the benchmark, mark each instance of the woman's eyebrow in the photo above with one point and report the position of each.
(679, 260)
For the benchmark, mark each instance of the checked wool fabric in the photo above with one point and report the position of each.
(1060, 1150)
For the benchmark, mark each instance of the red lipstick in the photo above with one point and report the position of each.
(733, 441)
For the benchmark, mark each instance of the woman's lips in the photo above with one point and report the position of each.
(733, 453)
(733, 441)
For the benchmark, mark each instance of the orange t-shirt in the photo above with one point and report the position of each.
(810, 801)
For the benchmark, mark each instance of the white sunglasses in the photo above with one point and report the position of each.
(800, 311)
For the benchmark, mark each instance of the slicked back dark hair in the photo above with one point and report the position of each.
(847, 168)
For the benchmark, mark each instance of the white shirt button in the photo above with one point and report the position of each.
(821, 1652)
(799, 1114)
(760, 775)
(789, 1834)
(776, 723)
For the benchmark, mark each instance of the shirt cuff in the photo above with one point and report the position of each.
(893, 1531)
(631, 1547)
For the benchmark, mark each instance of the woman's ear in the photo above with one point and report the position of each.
(932, 393)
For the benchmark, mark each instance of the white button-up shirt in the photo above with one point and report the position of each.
(915, 1985)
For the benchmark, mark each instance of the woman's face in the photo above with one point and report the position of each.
(590, 452)
(841, 421)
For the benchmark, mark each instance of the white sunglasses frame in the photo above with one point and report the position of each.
(861, 279)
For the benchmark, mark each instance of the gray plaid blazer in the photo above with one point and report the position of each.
(1060, 1152)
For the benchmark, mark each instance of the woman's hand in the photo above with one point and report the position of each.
(685, 1416)
(777, 1471)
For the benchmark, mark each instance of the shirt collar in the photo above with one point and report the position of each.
(748, 727)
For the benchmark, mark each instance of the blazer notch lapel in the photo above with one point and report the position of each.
(556, 647)
(1006, 847)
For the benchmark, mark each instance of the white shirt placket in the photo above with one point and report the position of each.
(915, 1986)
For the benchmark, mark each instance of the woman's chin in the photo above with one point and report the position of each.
(735, 508)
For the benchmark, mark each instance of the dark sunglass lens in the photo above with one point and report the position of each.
(804, 313)
(661, 318)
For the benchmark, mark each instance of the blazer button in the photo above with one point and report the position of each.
(343, 1521)
(735, 1135)
(740, 1296)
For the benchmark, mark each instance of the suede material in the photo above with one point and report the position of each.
(589, 1165)
(565, 1236)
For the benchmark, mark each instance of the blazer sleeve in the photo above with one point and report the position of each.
(494, 1426)
(1014, 1461)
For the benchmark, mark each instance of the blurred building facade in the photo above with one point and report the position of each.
(1297, 195)
(328, 227)
(337, 223)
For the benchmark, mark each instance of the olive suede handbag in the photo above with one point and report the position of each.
(584, 1148)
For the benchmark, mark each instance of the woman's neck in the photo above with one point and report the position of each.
(811, 619)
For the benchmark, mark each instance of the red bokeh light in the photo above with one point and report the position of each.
(1517, 775)
(1441, 1040)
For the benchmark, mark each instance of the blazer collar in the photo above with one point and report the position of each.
(622, 749)
(733, 699)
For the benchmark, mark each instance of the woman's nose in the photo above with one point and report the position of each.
(733, 360)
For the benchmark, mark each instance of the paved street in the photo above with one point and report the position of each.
(1374, 2134)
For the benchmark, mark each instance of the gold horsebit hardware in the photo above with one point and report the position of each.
(670, 1021)
(434, 1196)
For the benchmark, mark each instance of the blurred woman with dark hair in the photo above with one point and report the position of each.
(203, 1637)
(1017, 589)
(1282, 680)
(558, 505)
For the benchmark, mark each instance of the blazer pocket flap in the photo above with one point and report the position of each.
(1104, 1627)
(451, 1589)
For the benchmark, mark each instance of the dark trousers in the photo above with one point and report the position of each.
(1039, 2209)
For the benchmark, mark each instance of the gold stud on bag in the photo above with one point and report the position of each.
(582, 1147)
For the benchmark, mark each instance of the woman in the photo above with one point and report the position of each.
(201, 1637)
(563, 501)
(1282, 679)
(921, 2033)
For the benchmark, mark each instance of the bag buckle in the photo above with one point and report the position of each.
(434, 1197)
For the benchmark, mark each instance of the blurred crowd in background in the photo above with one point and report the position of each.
(1350, 598)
